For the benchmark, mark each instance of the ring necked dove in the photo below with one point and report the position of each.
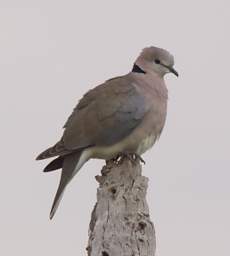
(125, 114)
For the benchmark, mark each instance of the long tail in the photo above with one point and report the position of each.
(70, 166)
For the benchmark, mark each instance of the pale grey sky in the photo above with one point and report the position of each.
(51, 52)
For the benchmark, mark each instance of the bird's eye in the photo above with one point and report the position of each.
(157, 61)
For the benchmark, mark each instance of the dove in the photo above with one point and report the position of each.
(123, 116)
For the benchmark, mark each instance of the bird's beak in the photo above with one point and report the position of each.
(172, 70)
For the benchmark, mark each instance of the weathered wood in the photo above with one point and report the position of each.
(120, 223)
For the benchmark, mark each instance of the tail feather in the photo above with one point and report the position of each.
(57, 149)
(58, 196)
(70, 167)
(56, 164)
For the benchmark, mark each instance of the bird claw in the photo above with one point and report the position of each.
(138, 157)
(133, 157)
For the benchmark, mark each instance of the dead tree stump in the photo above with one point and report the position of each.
(120, 223)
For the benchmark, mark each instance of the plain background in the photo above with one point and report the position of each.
(51, 52)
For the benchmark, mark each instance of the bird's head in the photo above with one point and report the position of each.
(157, 60)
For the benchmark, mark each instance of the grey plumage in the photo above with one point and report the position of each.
(125, 114)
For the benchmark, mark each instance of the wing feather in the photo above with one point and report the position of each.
(105, 115)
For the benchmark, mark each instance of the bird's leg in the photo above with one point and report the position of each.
(133, 157)
(117, 159)
(130, 156)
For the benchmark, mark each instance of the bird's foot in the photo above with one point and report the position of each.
(133, 157)
(138, 157)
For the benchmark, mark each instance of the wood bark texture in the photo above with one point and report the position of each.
(120, 222)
